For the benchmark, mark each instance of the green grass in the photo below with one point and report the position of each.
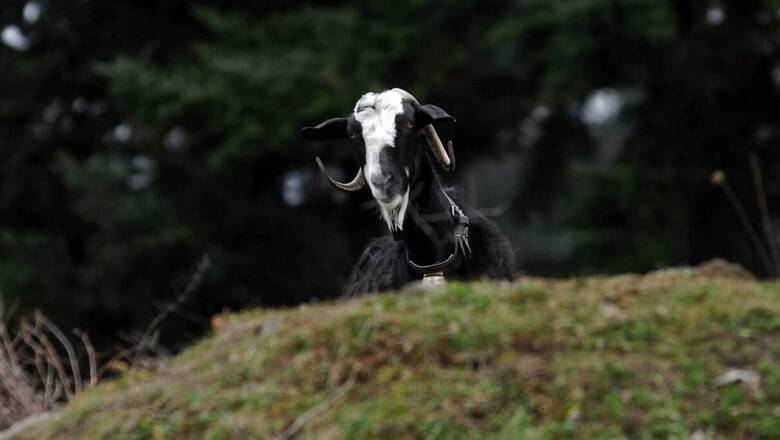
(598, 358)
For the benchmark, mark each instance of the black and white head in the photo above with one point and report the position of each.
(387, 129)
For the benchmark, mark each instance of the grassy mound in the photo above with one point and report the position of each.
(672, 354)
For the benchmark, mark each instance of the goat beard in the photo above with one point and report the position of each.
(394, 212)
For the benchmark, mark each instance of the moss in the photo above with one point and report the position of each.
(601, 357)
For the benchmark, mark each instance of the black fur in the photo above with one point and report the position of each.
(383, 264)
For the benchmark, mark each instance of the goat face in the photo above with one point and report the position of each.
(386, 128)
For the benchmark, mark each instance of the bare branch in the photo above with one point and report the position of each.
(766, 221)
(192, 285)
(745, 220)
(74, 363)
(301, 421)
(91, 356)
(33, 375)
(47, 350)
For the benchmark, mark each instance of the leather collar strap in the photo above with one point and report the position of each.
(460, 233)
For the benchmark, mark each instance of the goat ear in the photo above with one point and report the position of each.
(335, 128)
(430, 114)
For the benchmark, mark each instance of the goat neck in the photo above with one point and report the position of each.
(429, 224)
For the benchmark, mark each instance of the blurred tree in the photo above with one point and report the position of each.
(669, 91)
(79, 235)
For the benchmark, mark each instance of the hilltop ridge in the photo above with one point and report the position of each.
(672, 354)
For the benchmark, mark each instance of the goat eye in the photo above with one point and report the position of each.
(352, 135)
(410, 124)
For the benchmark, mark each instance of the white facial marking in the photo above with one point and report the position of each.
(376, 113)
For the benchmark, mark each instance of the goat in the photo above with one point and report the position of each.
(430, 233)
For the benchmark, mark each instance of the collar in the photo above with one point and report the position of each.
(460, 232)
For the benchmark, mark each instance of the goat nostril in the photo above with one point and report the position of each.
(380, 180)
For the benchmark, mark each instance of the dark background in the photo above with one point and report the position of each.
(136, 137)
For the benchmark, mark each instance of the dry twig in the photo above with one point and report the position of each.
(34, 376)
(763, 208)
(304, 418)
(718, 178)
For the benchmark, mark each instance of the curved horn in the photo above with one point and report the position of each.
(438, 148)
(357, 183)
